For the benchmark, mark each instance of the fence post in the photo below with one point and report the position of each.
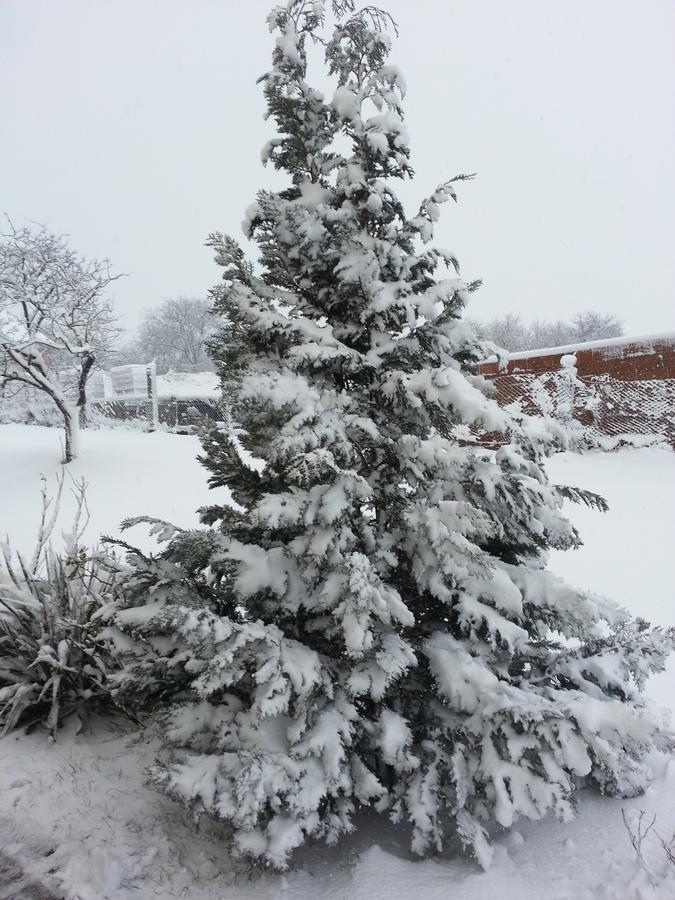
(567, 378)
(153, 406)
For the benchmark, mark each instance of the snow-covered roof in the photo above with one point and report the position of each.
(190, 385)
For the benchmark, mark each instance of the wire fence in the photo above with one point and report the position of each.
(174, 413)
(606, 406)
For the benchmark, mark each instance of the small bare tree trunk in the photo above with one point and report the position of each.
(71, 420)
(71, 428)
(37, 377)
(68, 452)
(85, 370)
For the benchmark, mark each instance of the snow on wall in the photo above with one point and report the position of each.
(630, 358)
(646, 342)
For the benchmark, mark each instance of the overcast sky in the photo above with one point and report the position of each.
(136, 127)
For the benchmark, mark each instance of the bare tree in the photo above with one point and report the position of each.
(511, 333)
(54, 320)
(175, 333)
(507, 331)
(556, 333)
(596, 326)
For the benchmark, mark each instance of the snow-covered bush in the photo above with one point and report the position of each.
(372, 624)
(54, 662)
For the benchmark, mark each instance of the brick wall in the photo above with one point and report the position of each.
(622, 386)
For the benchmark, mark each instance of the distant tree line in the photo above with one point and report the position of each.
(513, 333)
(175, 333)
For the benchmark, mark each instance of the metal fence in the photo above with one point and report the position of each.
(174, 413)
(606, 406)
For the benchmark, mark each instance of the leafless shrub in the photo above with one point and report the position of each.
(668, 847)
(638, 830)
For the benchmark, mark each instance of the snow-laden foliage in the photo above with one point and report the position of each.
(372, 623)
(54, 662)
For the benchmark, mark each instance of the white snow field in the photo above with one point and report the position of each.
(79, 818)
(128, 473)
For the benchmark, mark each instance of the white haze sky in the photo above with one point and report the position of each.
(136, 126)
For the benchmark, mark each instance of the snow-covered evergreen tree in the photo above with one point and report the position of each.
(372, 623)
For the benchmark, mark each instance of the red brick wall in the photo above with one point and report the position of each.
(627, 359)
(624, 385)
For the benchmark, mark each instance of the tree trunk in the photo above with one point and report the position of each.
(71, 421)
(85, 370)
(36, 376)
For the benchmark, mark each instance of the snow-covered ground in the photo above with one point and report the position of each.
(80, 809)
(628, 552)
(128, 473)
